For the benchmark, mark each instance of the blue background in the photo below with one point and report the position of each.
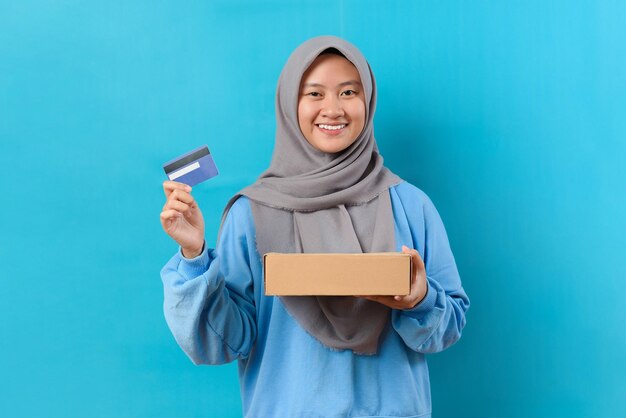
(510, 115)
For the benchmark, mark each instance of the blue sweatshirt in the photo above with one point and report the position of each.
(216, 309)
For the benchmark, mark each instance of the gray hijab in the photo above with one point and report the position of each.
(309, 201)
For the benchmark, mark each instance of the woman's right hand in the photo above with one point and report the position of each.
(182, 219)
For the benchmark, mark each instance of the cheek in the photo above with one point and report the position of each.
(358, 115)
(304, 115)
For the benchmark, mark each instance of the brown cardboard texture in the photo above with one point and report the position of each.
(337, 274)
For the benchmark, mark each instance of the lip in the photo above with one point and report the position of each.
(332, 132)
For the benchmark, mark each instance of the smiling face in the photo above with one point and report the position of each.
(331, 105)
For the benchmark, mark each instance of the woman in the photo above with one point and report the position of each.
(326, 190)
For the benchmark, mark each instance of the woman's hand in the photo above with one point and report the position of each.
(182, 219)
(419, 285)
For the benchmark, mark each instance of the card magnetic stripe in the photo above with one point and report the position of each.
(186, 159)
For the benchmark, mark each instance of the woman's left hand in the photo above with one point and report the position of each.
(419, 285)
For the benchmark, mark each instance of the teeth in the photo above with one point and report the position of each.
(332, 127)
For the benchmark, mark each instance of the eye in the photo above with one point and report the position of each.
(348, 93)
(313, 94)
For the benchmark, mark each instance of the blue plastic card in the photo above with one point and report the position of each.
(192, 168)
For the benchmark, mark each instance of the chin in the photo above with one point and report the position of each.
(331, 149)
(332, 146)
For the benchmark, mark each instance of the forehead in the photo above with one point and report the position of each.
(328, 68)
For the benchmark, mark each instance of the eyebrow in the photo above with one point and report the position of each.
(345, 83)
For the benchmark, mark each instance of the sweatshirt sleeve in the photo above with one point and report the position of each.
(438, 320)
(209, 300)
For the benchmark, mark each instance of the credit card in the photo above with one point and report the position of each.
(192, 168)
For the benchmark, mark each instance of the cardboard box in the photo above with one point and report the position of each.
(337, 274)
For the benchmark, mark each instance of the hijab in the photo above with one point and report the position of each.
(309, 201)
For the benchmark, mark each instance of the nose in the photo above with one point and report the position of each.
(332, 108)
